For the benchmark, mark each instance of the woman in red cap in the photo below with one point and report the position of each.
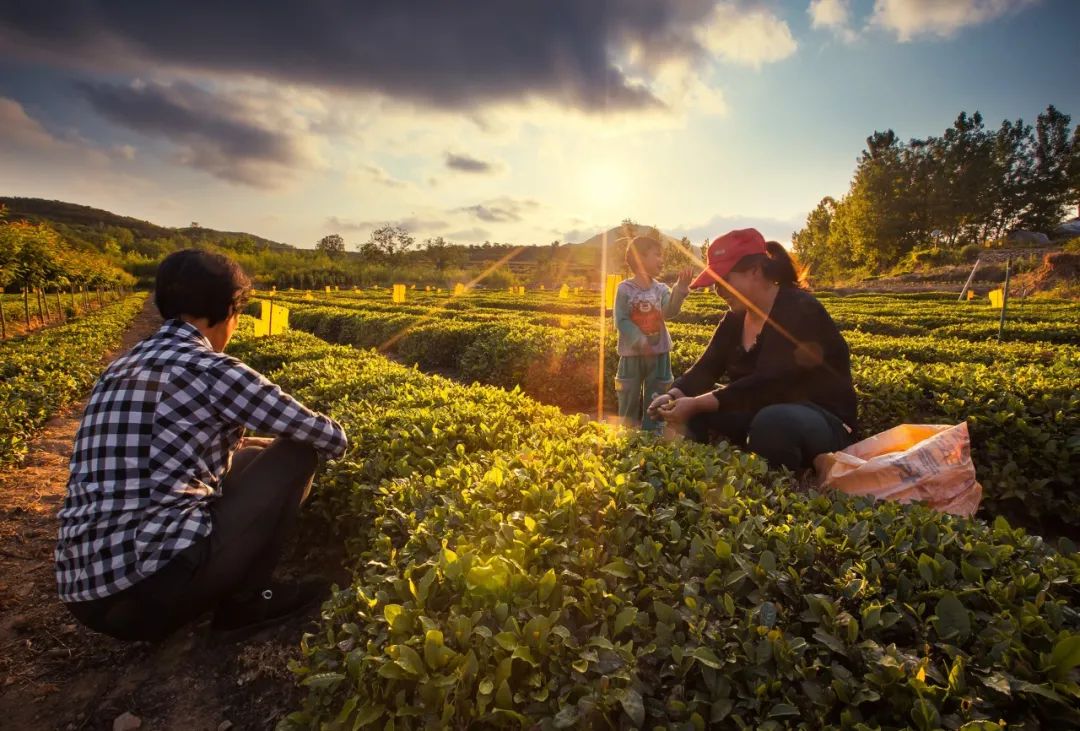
(789, 395)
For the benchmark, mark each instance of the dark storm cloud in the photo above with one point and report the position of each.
(433, 52)
(467, 164)
(212, 132)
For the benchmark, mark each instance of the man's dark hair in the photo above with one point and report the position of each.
(200, 283)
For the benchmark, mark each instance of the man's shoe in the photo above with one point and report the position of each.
(241, 617)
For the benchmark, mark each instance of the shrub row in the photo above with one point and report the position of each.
(1024, 420)
(518, 568)
(1050, 322)
(43, 372)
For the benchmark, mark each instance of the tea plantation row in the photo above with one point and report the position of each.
(518, 568)
(1023, 408)
(45, 371)
(939, 315)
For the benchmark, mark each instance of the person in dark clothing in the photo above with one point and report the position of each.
(165, 518)
(789, 395)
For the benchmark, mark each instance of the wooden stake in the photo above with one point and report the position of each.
(1004, 299)
(603, 330)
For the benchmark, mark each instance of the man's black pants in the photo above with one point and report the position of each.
(260, 499)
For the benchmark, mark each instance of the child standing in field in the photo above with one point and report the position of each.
(641, 306)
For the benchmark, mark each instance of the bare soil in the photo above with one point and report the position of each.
(56, 674)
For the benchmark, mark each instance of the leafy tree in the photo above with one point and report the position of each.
(677, 256)
(332, 244)
(1074, 171)
(938, 194)
(1010, 172)
(443, 255)
(391, 241)
(1049, 190)
(811, 244)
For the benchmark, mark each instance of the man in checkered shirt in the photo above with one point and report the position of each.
(165, 518)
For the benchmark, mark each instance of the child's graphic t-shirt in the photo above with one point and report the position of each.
(639, 316)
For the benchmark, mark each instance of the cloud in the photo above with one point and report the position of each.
(778, 229)
(467, 164)
(378, 175)
(501, 210)
(469, 236)
(597, 58)
(213, 133)
(412, 224)
(833, 15)
(746, 36)
(911, 18)
(45, 161)
(20, 130)
(24, 136)
(578, 235)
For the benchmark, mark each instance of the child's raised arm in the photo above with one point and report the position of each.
(673, 300)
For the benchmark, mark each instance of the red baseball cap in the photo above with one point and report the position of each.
(725, 252)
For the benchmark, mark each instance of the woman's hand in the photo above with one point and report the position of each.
(679, 410)
(658, 403)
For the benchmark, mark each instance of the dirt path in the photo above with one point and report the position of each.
(56, 674)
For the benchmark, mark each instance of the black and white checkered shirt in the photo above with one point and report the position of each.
(155, 441)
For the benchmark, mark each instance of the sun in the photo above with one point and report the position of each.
(604, 185)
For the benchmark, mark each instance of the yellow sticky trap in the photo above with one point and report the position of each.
(564, 292)
(997, 298)
(427, 288)
(459, 289)
(521, 290)
(398, 295)
(261, 328)
(264, 310)
(309, 296)
(542, 288)
(971, 295)
(328, 289)
(510, 290)
(279, 320)
(610, 287)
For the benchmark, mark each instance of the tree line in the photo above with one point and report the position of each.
(930, 198)
(389, 253)
(37, 262)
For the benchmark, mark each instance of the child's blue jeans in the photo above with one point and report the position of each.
(639, 380)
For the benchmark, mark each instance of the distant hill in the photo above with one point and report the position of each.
(93, 226)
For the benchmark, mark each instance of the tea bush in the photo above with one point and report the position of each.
(47, 370)
(1024, 418)
(515, 567)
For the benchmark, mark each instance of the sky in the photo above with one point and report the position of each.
(516, 122)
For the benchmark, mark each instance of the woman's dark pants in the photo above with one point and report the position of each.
(788, 435)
